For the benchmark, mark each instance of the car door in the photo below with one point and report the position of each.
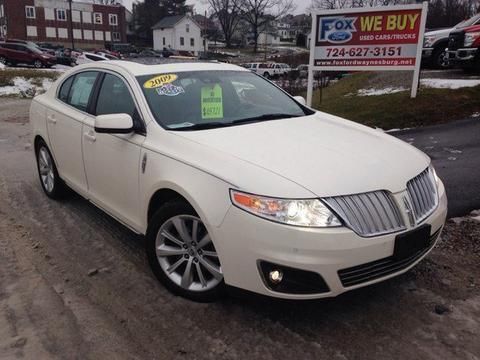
(65, 117)
(112, 161)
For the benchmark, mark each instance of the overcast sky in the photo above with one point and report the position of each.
(200, 6)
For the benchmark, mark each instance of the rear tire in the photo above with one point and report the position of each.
(3, 60)
(266, 75)
(181, 254)
(37, 64)
(51, 183)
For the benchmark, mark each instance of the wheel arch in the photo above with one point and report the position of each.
(162, 196)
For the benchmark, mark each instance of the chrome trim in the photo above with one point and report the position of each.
(368, 214)
(423, 192)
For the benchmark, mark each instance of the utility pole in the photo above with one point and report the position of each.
(204, 34)
(71, 23)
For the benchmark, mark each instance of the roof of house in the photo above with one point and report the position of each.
(168, 22)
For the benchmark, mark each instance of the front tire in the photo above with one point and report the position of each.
(51, 183)
(37, 64)
(440, 59)
(182, 255)
(3, 60)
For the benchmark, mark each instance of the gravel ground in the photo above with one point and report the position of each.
(74, 284)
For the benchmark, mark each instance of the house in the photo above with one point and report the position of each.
(179, 32)
(51, 21)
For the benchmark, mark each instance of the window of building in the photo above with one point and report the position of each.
(49, 14)
(77, 34)
(76, 16)
(87, 17)
(87, 34)
(62, 33)
(192, 42)
(97, 18)
(51, 32)
(99, 35)
(61, 15)
(187, 28)
(163, 41)
(116, 36)
(30, 12)
(31, 31)
(113, 19)
(108, 36)
(82, 86)
(182, 41)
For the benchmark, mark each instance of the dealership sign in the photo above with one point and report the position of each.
(381, 38)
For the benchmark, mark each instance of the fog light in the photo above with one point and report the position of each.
(275, 276)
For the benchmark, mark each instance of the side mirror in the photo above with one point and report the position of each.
(114, 124)
(301, 100)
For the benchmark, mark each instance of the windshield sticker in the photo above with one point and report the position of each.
(170, 90)
(212, 102)
(159, 81)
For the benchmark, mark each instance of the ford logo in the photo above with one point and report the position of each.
(340, 36)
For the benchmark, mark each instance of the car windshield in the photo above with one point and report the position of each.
(468, 22)
(207, 99)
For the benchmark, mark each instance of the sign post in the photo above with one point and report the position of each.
(367, 39)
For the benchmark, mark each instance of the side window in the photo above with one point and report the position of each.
(115, 98)
(65, 89)
(81, 89)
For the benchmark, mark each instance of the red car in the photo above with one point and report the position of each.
(464, 47)
(15, 53)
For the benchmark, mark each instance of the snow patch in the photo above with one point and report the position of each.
(376, 92)
(2, 66)
(25, 88)
(475, 115)
(449, 83)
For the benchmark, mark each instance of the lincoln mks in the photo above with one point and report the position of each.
(234, 182)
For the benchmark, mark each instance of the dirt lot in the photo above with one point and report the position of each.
(74, 284)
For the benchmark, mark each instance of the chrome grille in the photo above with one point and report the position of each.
(369, 214)
(423, 193)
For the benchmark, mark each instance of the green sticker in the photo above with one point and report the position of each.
(212, 102)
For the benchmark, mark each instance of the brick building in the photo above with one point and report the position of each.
(51, 21)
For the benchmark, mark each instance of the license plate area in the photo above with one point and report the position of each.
(412, 242)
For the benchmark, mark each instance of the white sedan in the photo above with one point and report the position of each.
(234, 182)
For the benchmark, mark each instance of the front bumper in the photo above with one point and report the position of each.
(243, 240)
(427, 53)
(463, 55)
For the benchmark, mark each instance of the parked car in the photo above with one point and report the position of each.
(87, 57)
(435, 43)
(265, 69)
(13, 54)
(302, 70)
(149, 53)
(65, 57)
(464, 48)
(234, 182)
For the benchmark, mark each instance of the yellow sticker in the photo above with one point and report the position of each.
(159, 80)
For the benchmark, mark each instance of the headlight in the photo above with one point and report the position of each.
(428, 41)
(308, 212)
(470, 38)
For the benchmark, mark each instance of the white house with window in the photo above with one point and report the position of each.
(178, 32)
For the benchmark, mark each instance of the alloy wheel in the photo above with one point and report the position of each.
(45, 166)
(443, 60)
(3, 60)
(186, 254)
(38, 64)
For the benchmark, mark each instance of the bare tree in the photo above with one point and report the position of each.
(228, 15)
(259, 13)
(341, 4)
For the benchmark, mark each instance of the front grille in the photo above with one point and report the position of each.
(455, 40)
(423, 193)
(379, 268)
(369, 214)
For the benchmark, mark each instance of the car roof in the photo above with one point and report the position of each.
(137, 69)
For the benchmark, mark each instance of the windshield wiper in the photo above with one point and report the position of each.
(201, 126)
(264, 117)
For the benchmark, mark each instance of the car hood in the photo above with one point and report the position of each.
(322, 153)
(438, 33)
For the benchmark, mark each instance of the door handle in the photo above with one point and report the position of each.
(51, 119)
(89, 136)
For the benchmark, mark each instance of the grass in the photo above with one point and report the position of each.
(7, 75)
(431, 106)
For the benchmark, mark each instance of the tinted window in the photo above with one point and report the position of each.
(114, 97)
(63, 93)
(81, 89)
